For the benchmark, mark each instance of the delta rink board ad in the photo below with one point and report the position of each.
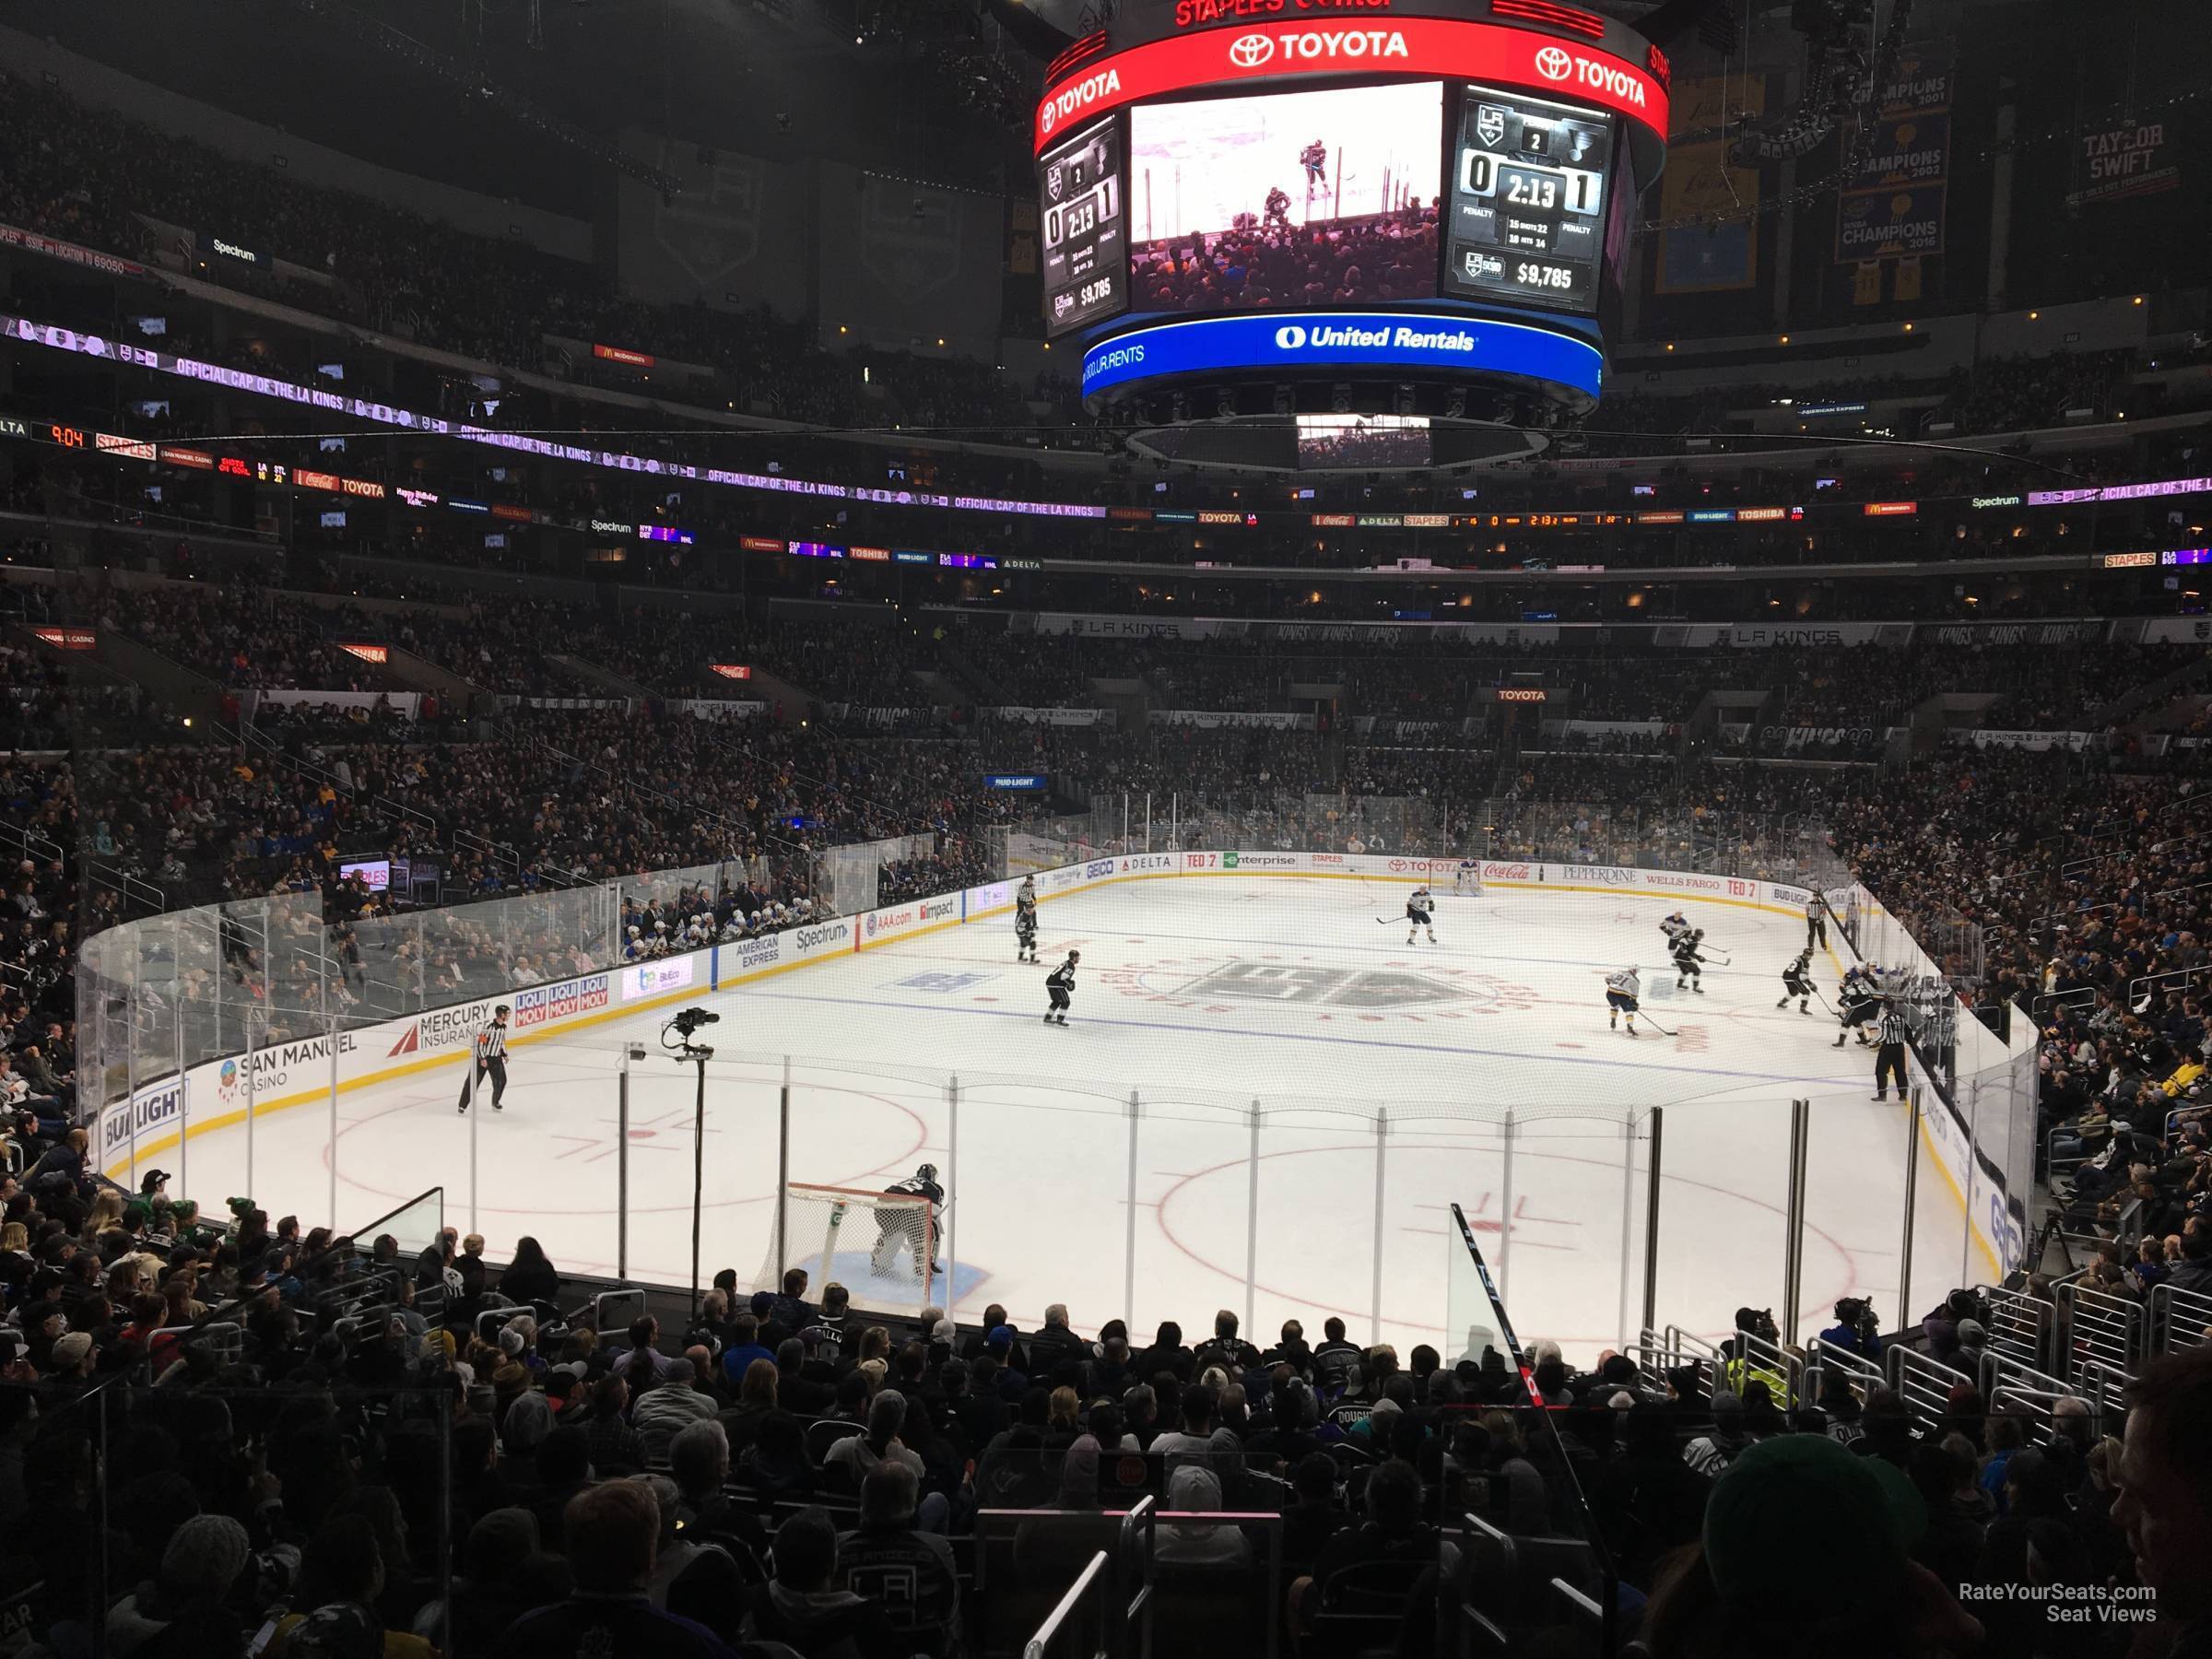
(216, 1093)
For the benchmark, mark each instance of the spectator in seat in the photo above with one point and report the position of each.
(530, 1277)
(1109, 1374)
(1336, 1359)
(1312, 1518)
(756, 1398)
(807, 1608)
(342, 1574)
(1805, 1544)
(2163, 1488)
(745, 1347)
(501, 1571)
(2008, 1434)
(857, 1453)
(1055, 1344)
(1194, 1489)
(1166, 1355)
(899, 1558)
(676, 1405)
(613, 1532)
(616, 1447)
(698, 1461)
(791, 1313)
(805, 1387)
(826, 1334)
(1200, 1435)
(205, 1563)
(1227, 1350)
(777, 1461)
(642, 1364)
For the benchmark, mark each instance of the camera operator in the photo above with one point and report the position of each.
(1856, 1329)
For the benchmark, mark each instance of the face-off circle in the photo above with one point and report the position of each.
(1415, 989)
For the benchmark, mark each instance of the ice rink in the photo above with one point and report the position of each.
(1282, 1049)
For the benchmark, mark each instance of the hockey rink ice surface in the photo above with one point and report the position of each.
(1203, 996)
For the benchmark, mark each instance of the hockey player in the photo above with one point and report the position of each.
(1862, 999)
(1686, 960)
(1420, 905)
(1621, 991)
(1025, 921)
(1674, 927)
(1797, 981)
(902, 1227)
(1061, 984)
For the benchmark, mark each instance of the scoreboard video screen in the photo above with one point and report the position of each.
(1528, 220)
(1268, 195)
(1286, 198)
(1086, 249)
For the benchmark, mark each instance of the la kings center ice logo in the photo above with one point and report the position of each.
(1416, 989)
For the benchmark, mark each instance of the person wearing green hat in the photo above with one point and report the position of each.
(1805, 1544)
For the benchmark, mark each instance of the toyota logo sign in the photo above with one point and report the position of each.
(1553, 63)
(1289, 337)
(1249, 52)
(1047, 119)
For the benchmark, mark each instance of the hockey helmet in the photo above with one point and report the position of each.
(927, 1173)
(1075, 956)
(633, 930)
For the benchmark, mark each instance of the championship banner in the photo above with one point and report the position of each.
(1895, 196)
(2117, 161)
(1698, 181)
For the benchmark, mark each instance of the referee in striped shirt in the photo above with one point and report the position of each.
(1889, 1055)
(490, 1056)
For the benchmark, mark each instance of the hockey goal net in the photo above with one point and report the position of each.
(1467, 880)
(882, 1247)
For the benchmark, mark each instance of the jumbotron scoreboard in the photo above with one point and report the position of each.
(1316, 192)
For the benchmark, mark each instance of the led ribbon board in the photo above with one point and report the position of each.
(1342, 340)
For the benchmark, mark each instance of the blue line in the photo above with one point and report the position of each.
(1425, 1048)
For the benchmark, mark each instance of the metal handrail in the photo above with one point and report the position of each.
(1820, 1356)
(2008, 1311)
(1041, 1640)
(2141, 983)
(2166, 1300)
(2100, 1327)
(1136, 1610)
(1923, 1383)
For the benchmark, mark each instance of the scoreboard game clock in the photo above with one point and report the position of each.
(1086, 248)
(1528, 202)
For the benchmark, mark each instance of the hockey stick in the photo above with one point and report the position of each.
(1719, 961)
(1657, 1027)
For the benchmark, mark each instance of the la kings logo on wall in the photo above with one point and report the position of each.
(712, 232)
(910, 239)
